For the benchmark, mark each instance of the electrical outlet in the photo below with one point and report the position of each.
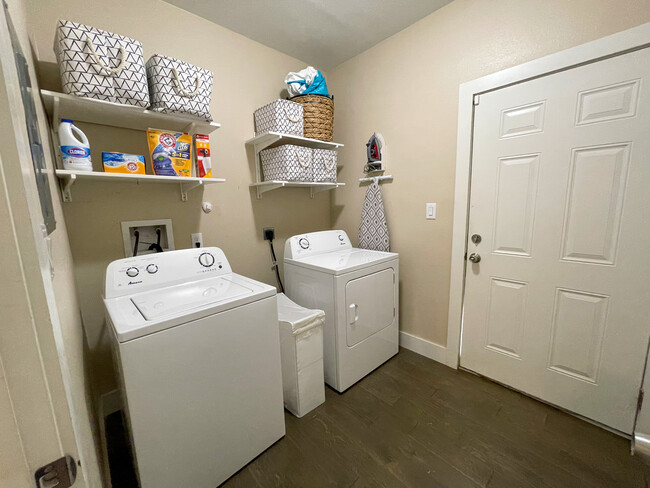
(268, 233)
(197, 240)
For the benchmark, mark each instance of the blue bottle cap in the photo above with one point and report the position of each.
(67, 120)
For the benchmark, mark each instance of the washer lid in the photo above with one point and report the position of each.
(340, 262)
(141, 314)
(182, 298)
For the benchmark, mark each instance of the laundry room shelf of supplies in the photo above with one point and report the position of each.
(100, 112)
(68, 178)
(273, 139)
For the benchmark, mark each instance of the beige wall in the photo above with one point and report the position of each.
(247, 76)
(407, 88)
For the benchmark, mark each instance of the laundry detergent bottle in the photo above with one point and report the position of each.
(75, 151)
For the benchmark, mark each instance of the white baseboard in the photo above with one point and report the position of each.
(426, 348)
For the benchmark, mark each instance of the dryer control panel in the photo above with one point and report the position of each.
(151, 271)
(303, 245)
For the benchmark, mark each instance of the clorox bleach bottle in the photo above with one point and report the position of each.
(75, 152)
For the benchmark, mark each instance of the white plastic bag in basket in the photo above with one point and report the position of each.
(298, 82)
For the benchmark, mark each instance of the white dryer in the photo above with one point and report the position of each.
(358, 289)
(199, 358)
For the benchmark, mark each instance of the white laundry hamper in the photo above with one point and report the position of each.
(301, 350)
(99, 64)
(287, 163)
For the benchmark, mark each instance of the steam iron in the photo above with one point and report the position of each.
(373, 151)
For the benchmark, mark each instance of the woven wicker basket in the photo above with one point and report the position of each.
(318, 116)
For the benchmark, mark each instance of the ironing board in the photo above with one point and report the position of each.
(373, 230)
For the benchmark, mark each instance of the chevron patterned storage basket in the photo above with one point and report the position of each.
(179, 87)
(279, 116)
(99, 64)
(287, 163)
(324, 165)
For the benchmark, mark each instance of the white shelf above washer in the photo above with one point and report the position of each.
(313, 186)
(187, 184)
(272, 139)
(94, 111)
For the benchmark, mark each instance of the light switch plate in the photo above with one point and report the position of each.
(431, 211)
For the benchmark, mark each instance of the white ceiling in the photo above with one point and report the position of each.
(322, 33)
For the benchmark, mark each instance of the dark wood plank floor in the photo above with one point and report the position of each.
(416, 423)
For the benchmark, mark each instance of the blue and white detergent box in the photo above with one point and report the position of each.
(115, 162)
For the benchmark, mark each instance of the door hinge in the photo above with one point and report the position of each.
(477, 99)
(393, 312)
(639, 401)
(61, 473)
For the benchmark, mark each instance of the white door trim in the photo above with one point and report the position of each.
(616, 44)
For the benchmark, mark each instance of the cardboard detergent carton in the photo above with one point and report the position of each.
(171, 152)
(203, 161)
(115, 162)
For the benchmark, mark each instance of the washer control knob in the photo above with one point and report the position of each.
(152, 268)
(206, 259)
(341, 238)
(132, 272)
(304, 243)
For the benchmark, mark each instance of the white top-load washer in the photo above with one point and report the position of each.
(357, 289)
(199, 358)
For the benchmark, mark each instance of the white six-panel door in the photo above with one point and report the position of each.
(559, 304)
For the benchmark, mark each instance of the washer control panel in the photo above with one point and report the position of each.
(304, 245)
(141, 273)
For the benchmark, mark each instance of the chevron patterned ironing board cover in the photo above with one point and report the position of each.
(373, 231)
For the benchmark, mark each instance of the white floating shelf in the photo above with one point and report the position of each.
(79, 109)
(272, 139)
(187, 184)
(314, 186)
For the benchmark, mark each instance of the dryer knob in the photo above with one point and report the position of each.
(341, 238)
(304, 243)
(132, 272)
(206, 259)
(152, 268)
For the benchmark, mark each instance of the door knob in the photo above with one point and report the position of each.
(475, 257)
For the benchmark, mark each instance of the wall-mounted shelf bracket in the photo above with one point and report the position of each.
(66, 184)
(186, 188)
(376, 179)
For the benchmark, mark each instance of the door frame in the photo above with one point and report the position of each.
(46, 423)
(607, 47)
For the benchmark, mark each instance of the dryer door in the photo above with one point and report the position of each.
(370, 305)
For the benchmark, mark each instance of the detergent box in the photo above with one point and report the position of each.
(115, 162)
(203, 161)
(171, 152)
